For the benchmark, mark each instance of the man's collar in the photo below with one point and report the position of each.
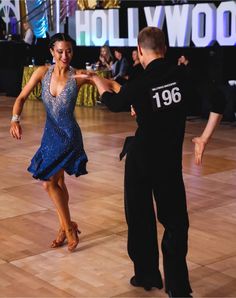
(154, 63)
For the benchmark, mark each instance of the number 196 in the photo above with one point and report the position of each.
(168, 97)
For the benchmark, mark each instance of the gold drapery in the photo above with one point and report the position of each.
(88, 94)
(36, 93)
(87, 4)
(92, 4)
(22, 13)
(111, 4)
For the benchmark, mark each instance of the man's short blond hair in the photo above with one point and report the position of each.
(152, 38)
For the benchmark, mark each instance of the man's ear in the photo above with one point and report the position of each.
(140, 50)
(51, 51)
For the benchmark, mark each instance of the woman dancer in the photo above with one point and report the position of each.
(61, 148)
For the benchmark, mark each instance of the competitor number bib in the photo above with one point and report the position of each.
(165, 96)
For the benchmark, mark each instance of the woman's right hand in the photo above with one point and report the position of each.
(102, 59)
(16, 130)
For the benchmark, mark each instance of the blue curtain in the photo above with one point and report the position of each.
(38, 17)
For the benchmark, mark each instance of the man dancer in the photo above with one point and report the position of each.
(154, 164)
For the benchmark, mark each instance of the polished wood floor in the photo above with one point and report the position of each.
(100, 266)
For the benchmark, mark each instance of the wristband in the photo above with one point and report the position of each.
(15, 118)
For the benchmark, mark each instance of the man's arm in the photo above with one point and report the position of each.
(217, 102)
(201, 142)
(105, 85)
(115, 97)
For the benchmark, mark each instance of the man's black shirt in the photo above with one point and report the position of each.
(159, 98)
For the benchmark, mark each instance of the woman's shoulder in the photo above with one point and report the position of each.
(39, 73)
(42, 70)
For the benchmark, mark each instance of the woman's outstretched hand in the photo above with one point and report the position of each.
(101, 83)
(16, 130)
(84, 74)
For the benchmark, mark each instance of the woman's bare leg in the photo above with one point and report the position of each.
(57, 191)
(59, 197)
(61, 183)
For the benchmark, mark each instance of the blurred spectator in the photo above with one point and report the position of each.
(193, 105)
(29, 34)
(2, 28)
(183, 60)
(135, 57)
(136, 68)
(120, 67)
(105, 58)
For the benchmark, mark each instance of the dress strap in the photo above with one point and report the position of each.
(72, 70)
(71, 73)
(48, 73)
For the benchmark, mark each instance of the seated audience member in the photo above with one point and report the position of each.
(105, 58)
(29, 34)
(136, 68)
(135, 57)
(182, 60)
(120, 67)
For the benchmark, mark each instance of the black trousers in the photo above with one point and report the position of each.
(144, 181)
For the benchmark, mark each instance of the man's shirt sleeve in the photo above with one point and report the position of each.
(121, 101)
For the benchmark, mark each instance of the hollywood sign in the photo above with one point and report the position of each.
(203, 24)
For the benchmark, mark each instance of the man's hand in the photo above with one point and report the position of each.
(16, 130)
(200, 146)
(201, 142)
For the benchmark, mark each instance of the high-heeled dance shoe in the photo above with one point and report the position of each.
(59, 241)
(61, 237)
(73, 232)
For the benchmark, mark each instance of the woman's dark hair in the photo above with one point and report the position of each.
(60, 37)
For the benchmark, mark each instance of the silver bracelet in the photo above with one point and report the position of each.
(15, 118)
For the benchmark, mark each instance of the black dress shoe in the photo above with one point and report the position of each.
(147, 285)
(179, 294)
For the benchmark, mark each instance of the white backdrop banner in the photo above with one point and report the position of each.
(202, 24)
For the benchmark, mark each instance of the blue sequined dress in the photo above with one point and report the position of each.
(62, 144)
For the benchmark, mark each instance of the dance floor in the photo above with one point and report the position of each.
(100, 266)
